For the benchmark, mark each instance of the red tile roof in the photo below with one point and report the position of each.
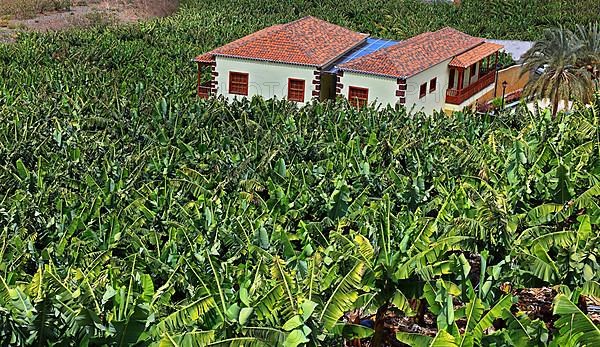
(408, 58)
(307, 41)
(474, 55)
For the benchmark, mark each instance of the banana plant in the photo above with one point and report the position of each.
(575, 327)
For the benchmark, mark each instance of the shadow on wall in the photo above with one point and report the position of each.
(514, 83)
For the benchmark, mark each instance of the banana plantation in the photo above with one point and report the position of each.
(134, 214)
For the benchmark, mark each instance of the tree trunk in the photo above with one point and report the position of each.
(379, 335)
(555, 100)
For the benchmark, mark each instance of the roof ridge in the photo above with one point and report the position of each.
(459, 32)
(301, 19)
(301, 46)
(468, 48)
(447, 27)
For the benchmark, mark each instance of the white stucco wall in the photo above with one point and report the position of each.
(264, 78)
(434, 100)
(382, 90)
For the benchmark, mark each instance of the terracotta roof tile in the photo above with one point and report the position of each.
(414, 55)
(472, 56)
(307, 41)
(209, 57)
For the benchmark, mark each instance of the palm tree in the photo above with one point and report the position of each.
(589, 36)
(555, 71)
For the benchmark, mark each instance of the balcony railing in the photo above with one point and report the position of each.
(458, 96)
(204, 90)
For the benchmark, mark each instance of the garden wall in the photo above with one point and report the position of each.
(515, 83)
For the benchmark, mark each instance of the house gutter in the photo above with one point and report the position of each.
(264, 60)
(373, 73)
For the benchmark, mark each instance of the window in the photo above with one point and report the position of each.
(423, 90)
(295, 90)
(238, 83)
(358, 97)
(433, 85)
(473, 70)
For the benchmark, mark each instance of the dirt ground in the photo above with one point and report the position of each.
(79, 13)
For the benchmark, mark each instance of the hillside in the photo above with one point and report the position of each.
(48, 15)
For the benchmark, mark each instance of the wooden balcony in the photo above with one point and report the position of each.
(458, 96)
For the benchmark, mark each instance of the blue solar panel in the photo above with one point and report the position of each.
(372, 45)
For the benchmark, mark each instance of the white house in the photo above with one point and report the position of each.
(313, 59)
(443, 70)
(284, 61)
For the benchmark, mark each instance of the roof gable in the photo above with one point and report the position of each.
(414, 55)
(307, 41)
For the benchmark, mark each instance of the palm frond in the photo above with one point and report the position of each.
(574, 326)
(189, 339)
(442, 339)
(185, 316)
(494, 313)
(429, 256)
(279, 274)
(343, 296)
(591, 288)
(242, 342)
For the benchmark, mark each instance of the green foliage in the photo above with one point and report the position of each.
(575, 327)
(342, 297)
(567, 67)
(442, 339)
(133, 213)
